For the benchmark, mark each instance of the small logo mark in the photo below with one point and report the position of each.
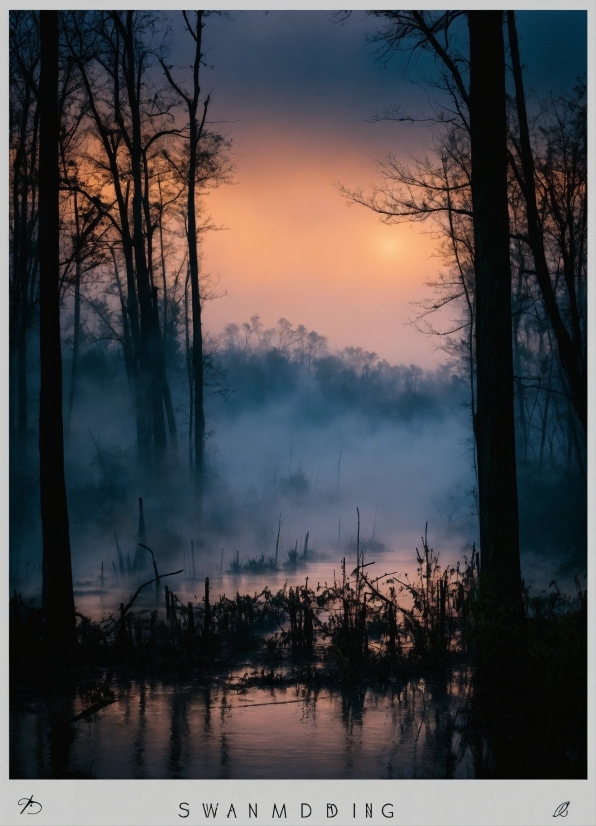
(562, 810)
(29, 803)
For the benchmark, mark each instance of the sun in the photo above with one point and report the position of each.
(387, 246)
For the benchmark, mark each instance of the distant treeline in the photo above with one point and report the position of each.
(257, 365)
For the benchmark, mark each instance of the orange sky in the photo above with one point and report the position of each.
(295, 92)
(294, 248)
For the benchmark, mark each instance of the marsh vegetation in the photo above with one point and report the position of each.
(312, 645)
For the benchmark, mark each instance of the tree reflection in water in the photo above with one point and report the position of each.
(412, 729)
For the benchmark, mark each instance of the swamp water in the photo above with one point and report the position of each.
(96, 600)
(189, 730)
(220, 728)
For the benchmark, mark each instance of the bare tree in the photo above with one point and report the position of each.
(203, 164)
(472, 162)
(127, 125)
(24, 204)
(565, 195)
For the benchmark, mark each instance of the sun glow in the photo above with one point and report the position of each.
(388, 246)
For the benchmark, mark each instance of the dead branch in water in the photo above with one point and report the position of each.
(138, 591)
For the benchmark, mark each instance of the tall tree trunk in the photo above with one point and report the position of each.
(166, 333)
(142, 411)
(164, 279)
(160, 371)
(193, 263)
(197, 356)
(543, 430)
(146, 387)
(132, 313)
(161, 389)
(19, 197)
(77, 319)
(127, 346)
(494, 421)
(150, 383)
(195, 133)
(521, 390)
(58, 600)
(24, 219)
(22, 375)
(189, 372)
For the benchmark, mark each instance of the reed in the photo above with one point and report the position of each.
(362, 624)
(256, 565)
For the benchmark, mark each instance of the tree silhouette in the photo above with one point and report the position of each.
(127, 122)
(494, 420)
(202, 163)
(24, 200)
(552, 155)
(476, 164)
(569, 217)
(58, 600)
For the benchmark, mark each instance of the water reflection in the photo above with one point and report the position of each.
(96, 602)
(139, 740)
(164, 731)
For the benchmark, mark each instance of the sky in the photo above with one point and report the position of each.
(295, 91)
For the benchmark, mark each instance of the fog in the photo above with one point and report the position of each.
(297, 444)
(316, 474)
